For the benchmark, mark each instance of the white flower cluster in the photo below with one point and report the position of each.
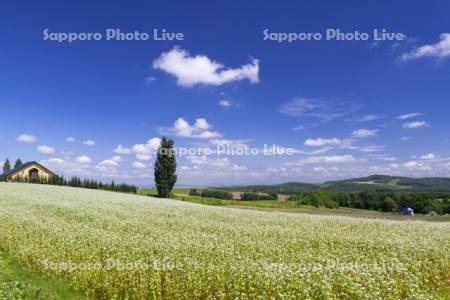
(200, 252)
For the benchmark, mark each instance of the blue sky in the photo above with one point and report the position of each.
(342, 108)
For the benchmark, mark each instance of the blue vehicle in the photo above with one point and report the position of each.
(405, 211)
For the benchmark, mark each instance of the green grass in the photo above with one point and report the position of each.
(294, 207)
(223, 202)
(17, 282)
(153, 192)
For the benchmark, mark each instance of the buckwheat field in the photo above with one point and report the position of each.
(121, 246)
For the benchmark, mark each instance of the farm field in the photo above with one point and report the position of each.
(17, 282)
(182, 194)
(115, 245)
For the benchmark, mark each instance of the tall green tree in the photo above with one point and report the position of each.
(165, 168)
(18, 163)
(6, 166)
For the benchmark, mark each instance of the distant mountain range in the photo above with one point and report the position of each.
(381, 183)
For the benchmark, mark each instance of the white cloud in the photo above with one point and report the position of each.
(325, 159)
(201, 124)
(27, 138)
(67, 153)
(145, 151)
(108, 163)
(386, 158)
(222, 164)
(57, 161)
(230, 144)
(429, 156)
(144, 157)
(199, 130)
(405, 138)
(89, 143)
(416, 124)
(70, 139)
(370, 148)
(204, 160)
(440, 49)
(298, 128)
(364, 133)
(78, 166)
(122, 150)
(83, 159)
(418, 166)
(117, 158)
(319, 142)
(200, 69)
(150, 79)
(368, 118)
(225, 103)
(44, 149)
(410, 115)
(319, 169)
(323, 110)
(139, 165)
(107, 168)
(315, 152)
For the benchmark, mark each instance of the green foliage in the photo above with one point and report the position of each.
(389, 204)
(165, 168)
(215, 194)
(76, 181)
(289, 188)
(97, 185)
(385, 183)
(18, 163)
(17, 282)
(210, 194)
(254, 196)
(6, 166)
(317, 199)
(378, 183)
(382, 201)
(194, 192)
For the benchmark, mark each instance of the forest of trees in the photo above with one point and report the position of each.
(76, 181)
(421, 202)
(210, 194)
(255, 196)
(227, 196)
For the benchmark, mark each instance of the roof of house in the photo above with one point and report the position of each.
(24, 165)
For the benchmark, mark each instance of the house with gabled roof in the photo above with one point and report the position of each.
(29, 171)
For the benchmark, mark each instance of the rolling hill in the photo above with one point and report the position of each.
(373, 182)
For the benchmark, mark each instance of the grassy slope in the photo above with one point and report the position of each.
(215, 251)
(182, 194)
(17, 282)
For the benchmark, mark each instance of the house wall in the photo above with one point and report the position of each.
(23, 173)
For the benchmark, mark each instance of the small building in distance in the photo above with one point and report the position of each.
(236, 195)
(29, 172)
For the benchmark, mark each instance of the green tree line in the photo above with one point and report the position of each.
(421, 202)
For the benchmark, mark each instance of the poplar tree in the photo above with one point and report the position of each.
(18, 163)
(6, 166)
(165, 168)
